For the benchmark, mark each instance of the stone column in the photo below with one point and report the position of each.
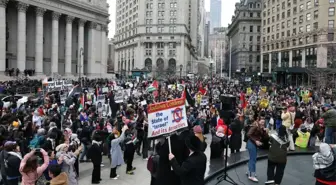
(39, 41)
(104, 49)
(80, 63)
(54, 42)
(68, 45)
(3, 5)
(279, 59)
(92, 50)
(290, 58)
(261, 62)
(21, 36)
(303, 53)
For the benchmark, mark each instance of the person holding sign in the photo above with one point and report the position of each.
(193, 168)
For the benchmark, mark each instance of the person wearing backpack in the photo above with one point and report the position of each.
(116, 152)
(12, 159)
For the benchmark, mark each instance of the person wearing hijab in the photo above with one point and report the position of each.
(277, 156)
(192, 170)
(324, 163)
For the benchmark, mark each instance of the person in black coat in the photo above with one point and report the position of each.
(164, 175)
(95, 154)
(193, 168)
(236, 137)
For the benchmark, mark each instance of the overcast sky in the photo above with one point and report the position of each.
(227, 12)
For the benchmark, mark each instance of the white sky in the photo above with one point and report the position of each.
(227, 12)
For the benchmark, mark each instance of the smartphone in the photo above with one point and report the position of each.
(37, 149)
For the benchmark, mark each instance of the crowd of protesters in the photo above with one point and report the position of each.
(44, 143)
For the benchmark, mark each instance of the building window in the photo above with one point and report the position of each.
(160, 45)
(172, 29)
(161, 13)
(251, 48)
(301, 7)
(148, 45)
(160, 29)
(148, 29)
(173, 5)
(308, 28)
(173, 12)
(331, 24)
(172, 20)
(308, 5)
(149, 21)
(172, 45)
(160, 21)
(161, 5)
(160, 52)
(316, 14)
(331, 11)
(251, 28)
(308, 16)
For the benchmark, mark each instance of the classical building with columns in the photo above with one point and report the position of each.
(163, 37)
(66, 37)
(298, 38)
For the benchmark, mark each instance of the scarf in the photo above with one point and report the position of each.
(16, 154)
(96, 142)
(324, 158)
(52, 142)
(281, 141)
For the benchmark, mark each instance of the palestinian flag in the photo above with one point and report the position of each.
(188, 97)
(82, 102)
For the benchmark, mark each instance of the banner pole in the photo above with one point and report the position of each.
(169, 144)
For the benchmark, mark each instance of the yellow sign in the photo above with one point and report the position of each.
(249, 91)
(305, 98)
(264, 103)
(264, 89)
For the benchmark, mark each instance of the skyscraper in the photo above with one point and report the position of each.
(215, 14)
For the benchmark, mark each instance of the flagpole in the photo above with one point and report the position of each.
(221, 49)
(230, 59)
(215, 56)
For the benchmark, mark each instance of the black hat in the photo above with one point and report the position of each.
(193, 143)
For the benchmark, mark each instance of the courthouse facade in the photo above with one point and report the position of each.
(54, 36)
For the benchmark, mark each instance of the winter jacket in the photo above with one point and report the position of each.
(330, 118)
(278, 149)
(13, 161)
(31, 177)
(287, 118)
(61, 179)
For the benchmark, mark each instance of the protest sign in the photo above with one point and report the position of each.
(100, 102)
(166, 117)
(63, 97)
(119, 96)
(105, 90)
(204, 101)
(249, 91)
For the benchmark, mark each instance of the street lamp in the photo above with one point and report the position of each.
(80, 55)
(211, 63)
(181, 67)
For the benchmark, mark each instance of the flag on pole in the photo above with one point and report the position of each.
(45, 81)
(156, 85)
(82, 102)
(187, 96)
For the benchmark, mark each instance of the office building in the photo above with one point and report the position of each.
(160, 36)
(298, 35)
(218, 45)
(215, 14)
(244, 33)
(54, 37)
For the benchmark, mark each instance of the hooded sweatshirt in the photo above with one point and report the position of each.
(61, 179)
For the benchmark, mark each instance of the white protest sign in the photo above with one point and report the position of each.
(100, 102)
(166, 117)
(204, 101)
(119, 96)
(63, 98)
(105, 90)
